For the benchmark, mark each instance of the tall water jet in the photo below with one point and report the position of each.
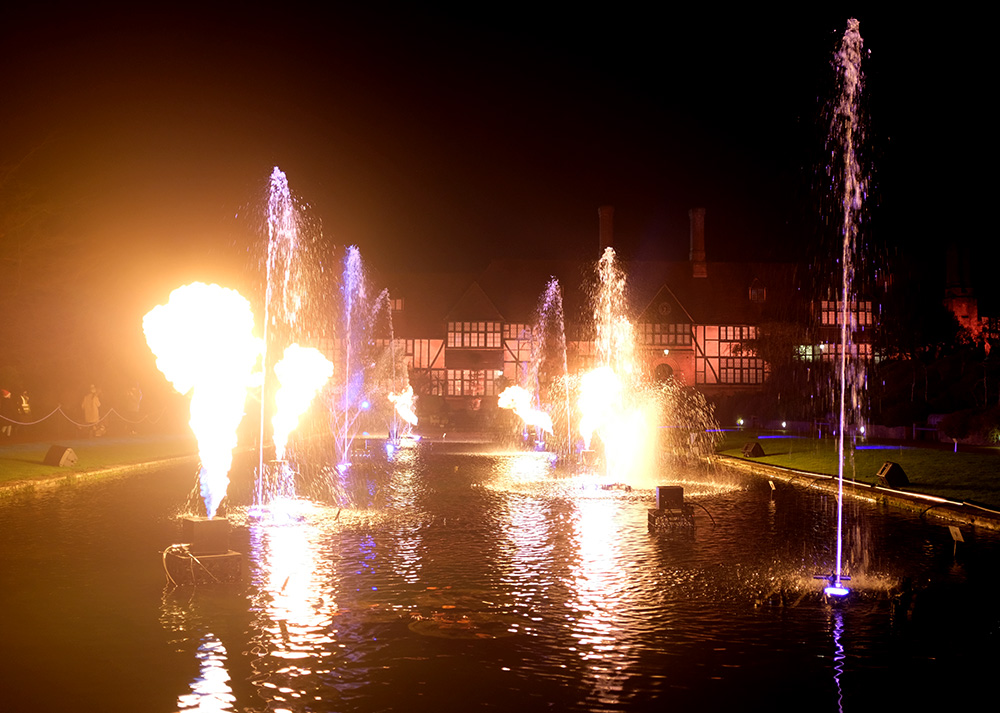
(637, 421)
(846, 135)
(551, 327)
(545, 382)
(204, 345)
(281, 298)
(614, 404)
(399, 391)
(365, 364)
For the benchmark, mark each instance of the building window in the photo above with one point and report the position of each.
(737, 334)
(514, 330)
(758, 293)
(470, 382)
(741, 370)
(396, 304)
(832, 313)
(665, 335)
(831, 351)
(474, 335)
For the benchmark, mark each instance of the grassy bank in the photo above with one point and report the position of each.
(24, 461)
(972, 476)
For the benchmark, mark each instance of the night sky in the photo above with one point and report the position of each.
(138, 142)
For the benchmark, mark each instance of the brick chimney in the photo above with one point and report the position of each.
(699, 268)
(606, 222)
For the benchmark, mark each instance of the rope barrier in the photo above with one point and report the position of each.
(59, 409)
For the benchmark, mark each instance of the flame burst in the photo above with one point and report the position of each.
(302, 372)
(519, 399)
(204, 344)
(404, 405)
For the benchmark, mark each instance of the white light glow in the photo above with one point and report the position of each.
(302, 373)
(204, 345)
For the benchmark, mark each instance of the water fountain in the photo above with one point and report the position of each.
(372, 386)
(204, 345)
(627, 423)
(289, 385)
(635, 419)
(548, 372)
(846, 134)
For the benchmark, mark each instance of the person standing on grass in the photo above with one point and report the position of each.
(91, 406)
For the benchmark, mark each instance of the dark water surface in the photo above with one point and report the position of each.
(454, 582)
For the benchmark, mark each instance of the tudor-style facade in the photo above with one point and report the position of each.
(695, 321)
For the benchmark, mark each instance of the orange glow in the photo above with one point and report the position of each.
(404, 405)
(302, 372)
(204, 345)
(519, 399)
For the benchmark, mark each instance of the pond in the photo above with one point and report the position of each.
(456, 581)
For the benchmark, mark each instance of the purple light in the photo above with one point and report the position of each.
(836, 591)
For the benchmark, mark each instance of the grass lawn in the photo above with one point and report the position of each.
(964, 476)
(24, 461)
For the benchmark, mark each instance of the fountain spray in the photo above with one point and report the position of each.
(282, 235)
(846, 132)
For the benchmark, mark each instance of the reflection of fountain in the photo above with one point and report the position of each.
(845, 137)
(194, 624)
(837, 615)
(211, 690)
(296, 600)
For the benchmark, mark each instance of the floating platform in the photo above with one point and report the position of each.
(183, 567)
(669, 519)
(671, 511)
(204, 557)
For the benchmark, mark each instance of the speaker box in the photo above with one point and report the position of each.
(61, 456)
(891, 475)
(206, 535)
(669, 497)
(752, 449)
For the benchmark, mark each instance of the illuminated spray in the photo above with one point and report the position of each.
(613, 402)
(204, 345)
(366, 366)
(354, 300)
(282, 239)
(551, 329)
(846, 134)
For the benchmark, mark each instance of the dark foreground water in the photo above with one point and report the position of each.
(456, 582)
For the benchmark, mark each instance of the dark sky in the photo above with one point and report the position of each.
(433, 137)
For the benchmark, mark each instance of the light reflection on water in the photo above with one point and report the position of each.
(462, 581)
(210, 691)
